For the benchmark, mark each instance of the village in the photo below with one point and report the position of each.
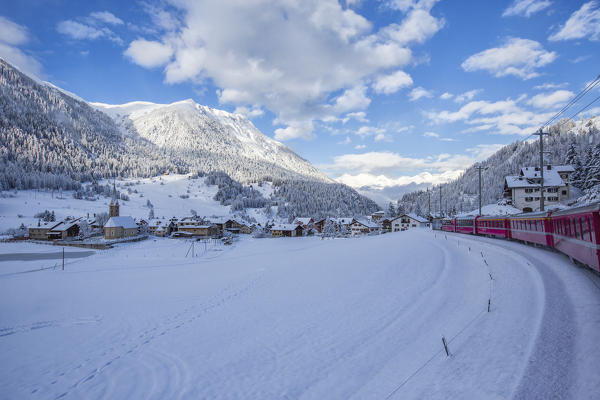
(521, 192)
(121, 228)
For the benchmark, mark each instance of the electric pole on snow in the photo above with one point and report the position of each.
(480, 168)
(429, 201)
(541, 134)
(440, 200)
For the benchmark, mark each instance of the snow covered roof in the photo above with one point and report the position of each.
(563, 168)
(126, 222)
(284, 227)
(343, 221)
(65, 225)
(194, 226)
(368, 223)
(303, 221)
(531, 176)
(379, 213)
(413, 216)
(44, 225)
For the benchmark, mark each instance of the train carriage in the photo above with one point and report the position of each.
(495, 226)
(574, 233)
(448, 225)
(532, 228)
(465, 225)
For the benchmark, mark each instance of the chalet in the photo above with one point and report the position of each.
(364, 227)
(120, 227)
(407, 221)
(220, 223)
(345, 222)
(154, 224)
(65, 229)
(41, 229)
(320, 224)
(199, 230)
(386, 224)
(377, 215)
(162, 231)
(245, 229)
(306, 223)
(523, 190)
(286, 230)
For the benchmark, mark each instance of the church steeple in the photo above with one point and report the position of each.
(113, 209)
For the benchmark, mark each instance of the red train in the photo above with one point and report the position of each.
(572, 232)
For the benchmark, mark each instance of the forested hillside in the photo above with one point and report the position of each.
(576, 142)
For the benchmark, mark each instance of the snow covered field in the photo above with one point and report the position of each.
(163, 192)
(302, 318)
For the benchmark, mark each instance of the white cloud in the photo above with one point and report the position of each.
(431, 134)
(526, 8)
(383, 168)
(291, 58)
(249, 112)
(584, 22)
(518, 57)
(418, 26)
(550, 85)
(352, 99)
(551, 100)
(388, 84)
(360, 116)
(106, 17)
(14, 35)
(148, 54)
(467, 96)
(418, 93)
(446, 96)
(360, 146)
(369, 131)
(505, 117)
(79, 31)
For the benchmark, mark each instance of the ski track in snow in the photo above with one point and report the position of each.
(305, 318)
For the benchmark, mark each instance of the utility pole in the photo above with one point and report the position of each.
(440, 200)
(429, 201)
(541, 134)
(480, 168)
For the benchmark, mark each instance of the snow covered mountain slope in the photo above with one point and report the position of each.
(226, 140)
(53, 139)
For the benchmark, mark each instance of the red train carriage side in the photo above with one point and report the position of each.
(532, 228)
(448, 225)
(575, 233)
(493, 226)
(465, 225)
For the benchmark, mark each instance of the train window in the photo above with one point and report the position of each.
(581, 228)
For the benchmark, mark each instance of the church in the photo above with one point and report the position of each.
(118, 227)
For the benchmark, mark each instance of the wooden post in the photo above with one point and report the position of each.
(445, 346)
(489, 304)
(63, 267)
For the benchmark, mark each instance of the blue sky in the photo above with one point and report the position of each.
(378, 93)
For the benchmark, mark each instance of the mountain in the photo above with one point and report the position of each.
(53, 139)
(207, 139)
(576, 142)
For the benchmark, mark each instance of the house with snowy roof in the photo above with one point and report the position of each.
(286, 230)
(65, 229)
(364, 226)
(39, 231)
(305, 223)
(120, 227)
(407, 221)
(523, 190)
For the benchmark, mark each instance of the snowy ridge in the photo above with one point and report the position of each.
(185, 125)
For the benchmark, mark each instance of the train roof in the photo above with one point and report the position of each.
(581, 209)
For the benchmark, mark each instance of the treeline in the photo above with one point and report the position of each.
(569, 142)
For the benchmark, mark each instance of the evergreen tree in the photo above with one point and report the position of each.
(391, 210)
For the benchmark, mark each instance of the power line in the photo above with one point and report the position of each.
(585, 91)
